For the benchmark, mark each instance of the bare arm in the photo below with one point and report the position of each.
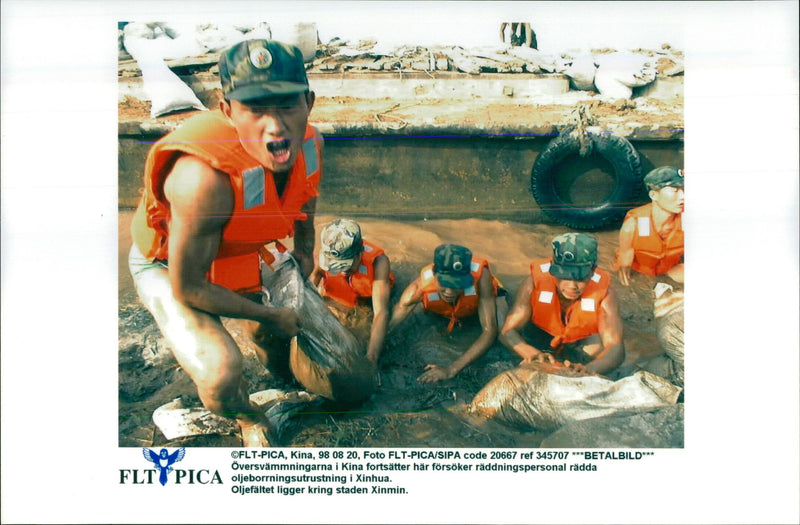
(304, 238)
(517, 318)
(411, 297)
(676, 273)
(625, 253)
(316, 277)
(610, 327)
(488, 318)
(381, 290)
(201, 203)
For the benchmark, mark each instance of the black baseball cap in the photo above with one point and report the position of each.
(451, 265)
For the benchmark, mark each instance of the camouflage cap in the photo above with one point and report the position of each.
(574, 256)
(451, 265)
(663, 177)
(254, 69)
(341, 244)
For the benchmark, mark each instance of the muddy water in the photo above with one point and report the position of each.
(403, 412)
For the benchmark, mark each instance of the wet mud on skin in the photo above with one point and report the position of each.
(402, 412)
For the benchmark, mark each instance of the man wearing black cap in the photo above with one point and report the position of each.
(455, 286)
(217, 190)
(651, 237)
(572, 308)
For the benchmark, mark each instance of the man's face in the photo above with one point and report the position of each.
(571, 290)
(668, 198)
(271, 129)
(449, 295)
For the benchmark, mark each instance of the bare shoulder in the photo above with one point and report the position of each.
(381, 266)
(195, 189)
(609, 302)
(413, 292)
(485, 283)
(629, 225)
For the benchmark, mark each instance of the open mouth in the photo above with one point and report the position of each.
(279, 149)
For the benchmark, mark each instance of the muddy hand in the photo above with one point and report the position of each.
(435, 373)
(578, 367)
(541, 357)
(287, 321)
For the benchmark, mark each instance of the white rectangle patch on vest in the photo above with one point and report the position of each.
(644, 226)
(587, 305)
(545, 297)
(544, 267)
(596, 277)
(253, 187)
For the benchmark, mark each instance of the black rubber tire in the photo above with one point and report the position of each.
(626, 193)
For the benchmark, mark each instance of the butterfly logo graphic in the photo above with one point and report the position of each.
(163, 461)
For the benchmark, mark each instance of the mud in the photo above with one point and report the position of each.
(402, 412)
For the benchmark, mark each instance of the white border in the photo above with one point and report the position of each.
(59, 241)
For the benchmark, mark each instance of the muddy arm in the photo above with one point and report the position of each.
(201, 203)
(518, 317)
(304, 238)
(625, 251)
(381, 291)
(411, 297)
(316, 276)
(610, 327)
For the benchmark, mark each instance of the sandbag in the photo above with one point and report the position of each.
(324, 357)
(618, 73)
(581, 71)
(668, 310)
(531, 396)
(165, 90)
(661, 428)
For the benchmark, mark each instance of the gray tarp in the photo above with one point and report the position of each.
(529, 396)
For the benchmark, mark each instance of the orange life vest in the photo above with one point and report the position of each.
(259, 216)
(466, 305)
(653, 255)
(581, 316)
(348, 288)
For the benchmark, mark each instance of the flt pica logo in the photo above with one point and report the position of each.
(163, 462)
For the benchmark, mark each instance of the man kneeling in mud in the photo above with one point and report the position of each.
(352, 271)
(572, 308)
(216, 191)
(651, 237)
(455, 286)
